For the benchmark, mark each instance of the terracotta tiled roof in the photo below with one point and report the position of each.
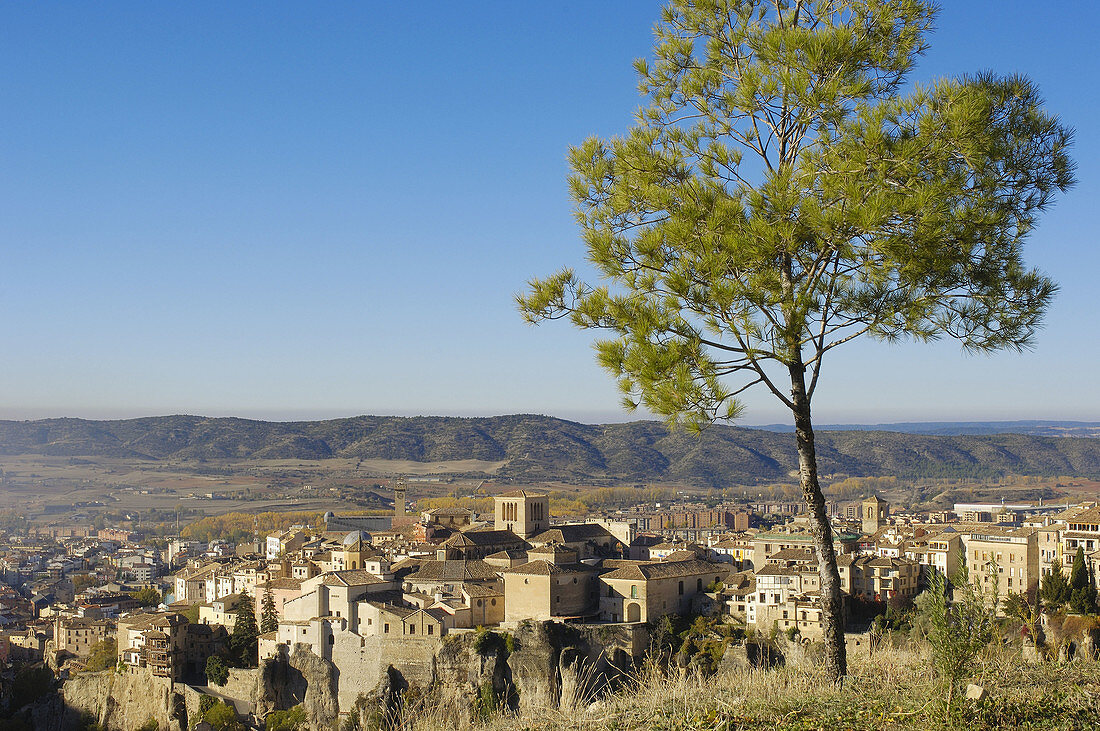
(545, 568)
(483, 538)
(454, 570)
(353, 577)
(666, 570)
(572, 533)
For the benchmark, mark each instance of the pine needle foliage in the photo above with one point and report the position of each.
(961, 628)
(784, 192)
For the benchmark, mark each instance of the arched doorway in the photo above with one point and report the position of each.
(633, 612)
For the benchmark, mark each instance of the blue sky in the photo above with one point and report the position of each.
(302, 210)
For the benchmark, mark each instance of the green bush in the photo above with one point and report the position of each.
(223, 717)
(487, 704)
(103, 655)
(288, 720)
(958, 630)
(217, 672)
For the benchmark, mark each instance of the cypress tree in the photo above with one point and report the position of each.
(1081, 600)
(1054, 591)
(269, 617)
(243, 644)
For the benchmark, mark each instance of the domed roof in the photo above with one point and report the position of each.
(329, 516)
(355, 536)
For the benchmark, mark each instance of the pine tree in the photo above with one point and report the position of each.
(269, 617)
(243, 644)
(785, 190)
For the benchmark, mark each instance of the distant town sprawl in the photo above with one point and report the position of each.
(367, 593)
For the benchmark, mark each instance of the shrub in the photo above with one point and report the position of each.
(103, 655)
(288, 720)
(958, 630)
(217, 672)
(223, 717)
(487, 704)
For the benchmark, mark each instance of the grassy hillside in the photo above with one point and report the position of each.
(894, 689)
(544, 448)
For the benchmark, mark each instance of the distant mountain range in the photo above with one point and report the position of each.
(544, 448)
(954, 428)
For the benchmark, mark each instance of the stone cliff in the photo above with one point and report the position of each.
(298, 677)
(116, 701)
(538, 664)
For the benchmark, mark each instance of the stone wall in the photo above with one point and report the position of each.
(241, 684)
(362, 661)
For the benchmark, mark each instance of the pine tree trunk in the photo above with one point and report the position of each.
(832, 601)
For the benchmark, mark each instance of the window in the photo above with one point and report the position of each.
(332, 639)
(681, 589)
(431, 630)
(633, 591)
(493, 602)
(412, 629)
(610, 592)
(386, 628)
(698, 585)
(479, 602)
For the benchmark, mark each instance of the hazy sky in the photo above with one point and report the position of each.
(298, 210)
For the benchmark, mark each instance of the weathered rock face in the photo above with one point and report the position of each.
(542, 664)
(753, 655)
(117, 701)
(298, 677)
(1071, 637)
(560, 665)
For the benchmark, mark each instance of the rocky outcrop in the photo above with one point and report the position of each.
(1071, 637)
(540, 664)
(298, 677)
(117, 701)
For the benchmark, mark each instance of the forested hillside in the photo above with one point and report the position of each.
(544, 448)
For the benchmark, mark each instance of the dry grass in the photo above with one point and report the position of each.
(892, 690)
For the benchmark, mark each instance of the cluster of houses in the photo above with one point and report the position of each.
(62, 584)
(389, 595)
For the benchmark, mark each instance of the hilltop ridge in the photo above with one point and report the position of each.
(533, 447)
